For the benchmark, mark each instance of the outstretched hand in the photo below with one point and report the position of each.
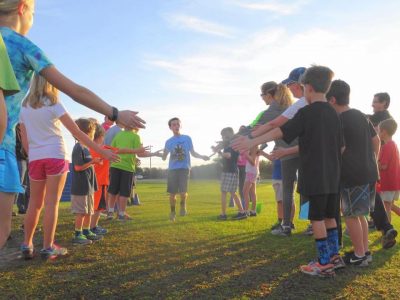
(205, 157)
(241, 143)
(110, 155)
(131, 119)
(278, 153)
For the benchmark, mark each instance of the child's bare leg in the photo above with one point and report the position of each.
(279, 208)
(95, 219)
(223, 203)
(35, 206)
(122, 203)
(356, 235)
(79, 222)
(395, 209)
(319, 229)
(184, 197)
(388, 208)
(54, 188)
(246, 193)
(172, 202)
(6, 204)
(86, 221)
(253, 196)
(237, 201)
(364, 226)
(111, 201)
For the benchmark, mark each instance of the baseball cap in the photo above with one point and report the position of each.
(294, 75)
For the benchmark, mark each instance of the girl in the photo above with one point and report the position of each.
(16, 19)
(41, 118)
(249, 187)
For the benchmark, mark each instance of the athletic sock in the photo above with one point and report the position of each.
(121, 213)
(333, 241)
(78, 231)
(111, 209)
(323, 251)
(86, 231)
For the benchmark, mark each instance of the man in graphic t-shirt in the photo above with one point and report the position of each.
(180, 148)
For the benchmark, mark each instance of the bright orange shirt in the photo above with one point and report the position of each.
(102, 171)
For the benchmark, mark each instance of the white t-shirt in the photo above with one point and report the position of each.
(292, 110)
(43, 128)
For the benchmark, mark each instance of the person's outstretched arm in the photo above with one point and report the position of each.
(244, 143)
(89, 99)
(197, 155)
(262, 129)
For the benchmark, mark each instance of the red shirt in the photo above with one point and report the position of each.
(390, 178)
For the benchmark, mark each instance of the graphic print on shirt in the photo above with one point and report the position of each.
(178, 153)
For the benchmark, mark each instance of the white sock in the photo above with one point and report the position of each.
(111, 209)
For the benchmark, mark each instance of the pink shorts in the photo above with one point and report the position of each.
(41, 168)
(251, 177)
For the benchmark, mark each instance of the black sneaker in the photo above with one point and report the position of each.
(222, 217)
(368, 254)
(389, 238)
(276, 225)
(282, 231)
(351, 259)
(240, 216)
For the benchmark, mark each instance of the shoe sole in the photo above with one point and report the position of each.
(319, 274)
(389, 239)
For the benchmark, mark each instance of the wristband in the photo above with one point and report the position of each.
(114, 115)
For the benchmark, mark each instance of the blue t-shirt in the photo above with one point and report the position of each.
(179, 148)
(276, 170)
(26, 58)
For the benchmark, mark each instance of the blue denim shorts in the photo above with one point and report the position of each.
(10, 181)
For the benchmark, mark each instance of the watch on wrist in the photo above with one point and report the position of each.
(114, 115)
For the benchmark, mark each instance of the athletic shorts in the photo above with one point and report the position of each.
(82, 204)
(319, 207)
(389, 196)
(41, 168)
(229, 182)
(10, 181)
(277, 185)
(120, 182)
(251, 177)
(178, 181)
(357, 201)
(100, 198)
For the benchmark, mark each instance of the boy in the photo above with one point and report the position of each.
(359, 172)
(181, 147)
(230, 175)
(83, 186)
(389, 165)
(317, 126)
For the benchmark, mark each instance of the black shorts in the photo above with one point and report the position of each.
(178, 181)
(321, 207)
(120, 182)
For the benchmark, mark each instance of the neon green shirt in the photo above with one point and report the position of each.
(130, 140)
(8, 82)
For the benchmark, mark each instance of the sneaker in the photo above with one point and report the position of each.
(240, 216)
(125, 217)
(172, 216)
(371, 224)
(337, 262)
(92, 236)
(368, 254)
(99, 230)
(183, 212)
(110, 215)
(276, 225)
(27, 252)
(351, 259)
(389, 238)
(81, 240)
(314, 268)
(222, 217)
(309, 231)
(252, 214)
(53, 252)
(282, 231)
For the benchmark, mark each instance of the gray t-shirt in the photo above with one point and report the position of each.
(275, 110)
(110, 134)
(83, 182)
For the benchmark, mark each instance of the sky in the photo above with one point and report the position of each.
(205, 60)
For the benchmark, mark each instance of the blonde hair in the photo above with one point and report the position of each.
(40, 91)
(8, 7)
(280, 92)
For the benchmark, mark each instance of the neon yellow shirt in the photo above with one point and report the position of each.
(130, 140)
(8, 82)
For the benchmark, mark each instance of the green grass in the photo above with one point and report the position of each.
(196, 257)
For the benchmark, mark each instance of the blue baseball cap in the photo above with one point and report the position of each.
(294, 75)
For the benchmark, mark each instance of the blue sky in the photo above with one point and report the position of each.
(204, 61)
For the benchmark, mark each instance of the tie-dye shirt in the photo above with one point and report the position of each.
(26, 58)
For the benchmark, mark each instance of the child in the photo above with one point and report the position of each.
(8, 163)
(181, 147)
(359, 172)
(16, 19)
(83, 185)
(229, 176)
(317, 126)
(277, 186)
(249, 188)
(121, 173)
(389, 165)
(41, 118)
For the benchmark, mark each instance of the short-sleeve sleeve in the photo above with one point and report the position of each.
(190, 143)
(78, 155)
(36, 57)
(291, 111)
(294, 127)
(8, 82)
(59, 109)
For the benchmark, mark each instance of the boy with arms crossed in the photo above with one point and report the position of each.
(180, 147)
(317, 126)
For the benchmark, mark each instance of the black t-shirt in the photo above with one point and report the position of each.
(320, 139)
(83, 182)
(359, 165)
(379, 116)
(229, 165)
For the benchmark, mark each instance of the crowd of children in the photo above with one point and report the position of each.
(344, 162)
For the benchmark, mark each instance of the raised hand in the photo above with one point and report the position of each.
(110, 155)
(130, 119)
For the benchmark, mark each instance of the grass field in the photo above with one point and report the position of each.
(196, 257)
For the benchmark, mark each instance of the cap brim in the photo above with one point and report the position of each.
(288, 81)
